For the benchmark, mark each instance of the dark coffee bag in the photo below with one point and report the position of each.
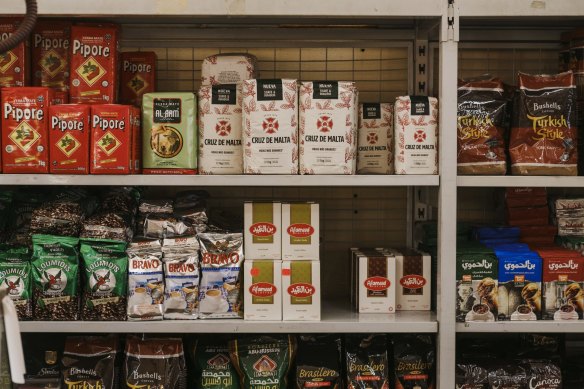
(212, 366)
(89, 362)
(367, 362)
(414, 362)
(318, 363)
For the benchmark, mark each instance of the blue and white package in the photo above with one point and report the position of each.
(520, 282)
(503, 232)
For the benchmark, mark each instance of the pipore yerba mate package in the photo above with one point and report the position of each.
(413, 289)
(270, 127)
(69, 129)
(375, 139)
(262, 289)
(563, 280)
(25, 136)
(50, 41)
(138, 76)
(328, 127)
(13, 63)
(476, 286)
(300, 231)
(220, 147)
(93, 63)
(300, 290)
(520, 287)
(262, 230)
(169, 137)
(111, 139)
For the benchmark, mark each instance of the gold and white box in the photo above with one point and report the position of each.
(262, 290)
(262, 229)
(301, 290)
(300, 231)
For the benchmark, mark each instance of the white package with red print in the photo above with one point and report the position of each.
(229, 68)
(375, 139)
(270, 127)
(328, 127)
(220, 148)
(416, 135)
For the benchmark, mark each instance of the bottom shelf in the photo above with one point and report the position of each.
(335, 319)
(541, 326)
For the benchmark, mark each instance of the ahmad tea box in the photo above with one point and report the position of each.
(563, 278)
(300, 231)
(376, 282)
(520, 287)
(262, 290)
(301, 290)
(413, 291)
(263, 222)
(476, 287)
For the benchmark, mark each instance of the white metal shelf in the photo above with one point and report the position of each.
(520, 181)
(542, 326)
(520, 8)
(210, 180)
(334, 320)
(304, 8)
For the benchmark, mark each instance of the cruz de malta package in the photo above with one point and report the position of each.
(375, 139)
(270, 127)
(328, 127)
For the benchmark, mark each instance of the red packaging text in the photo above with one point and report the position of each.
(111, 139)
(138, 76)
(69, 128)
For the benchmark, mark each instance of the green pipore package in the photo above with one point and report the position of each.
(213, 368)
(169, 133)
(55, 277)
(263, 361)
(105, 268)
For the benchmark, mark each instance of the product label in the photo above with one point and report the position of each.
(69, 129)
(50, 54)
(111, 139)
(269, 90)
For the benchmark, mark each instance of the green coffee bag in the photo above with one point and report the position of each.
(213, 368)
(15, 276)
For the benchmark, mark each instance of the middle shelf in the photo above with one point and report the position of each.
(540, 326)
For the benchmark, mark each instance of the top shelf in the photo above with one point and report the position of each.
(521, 181)
(232, 8)
(520, 8)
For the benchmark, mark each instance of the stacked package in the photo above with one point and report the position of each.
(569, 218)
(527, 208)
(282, 266)
(375, 139)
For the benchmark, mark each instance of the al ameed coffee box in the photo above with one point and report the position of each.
(374, 281)
(262, 289)
(262, 229)
(301, 290)
(300, 231)
(413, 289)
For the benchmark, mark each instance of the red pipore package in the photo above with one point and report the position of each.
(138, 76)
(111, 139)
(136, 157)
(13, 66)
(25, 113)
(50, 55)
(69, 128)
(94, 50)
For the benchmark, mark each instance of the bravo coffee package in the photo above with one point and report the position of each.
(111, 139)
(481, 135)
(93, 63)
(69, 129)
(138, 76)
(50, 55)
(416, 135)
(13, 65)
(228, 68)
(544, 134)
(375, 139)
(328, 127)
(270, 132)
(25, 115)
(220, 148)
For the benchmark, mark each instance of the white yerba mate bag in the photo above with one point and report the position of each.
(375, 140)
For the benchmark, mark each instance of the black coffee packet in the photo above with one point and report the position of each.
(414, 362)
(367, 362)
(212, 365)
(318, 363)
(90, 361)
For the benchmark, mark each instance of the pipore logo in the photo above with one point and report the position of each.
(412, 281)
(106, 124)
(133, 67)
(377, 283)
(50, 43)
(534, 383)
(263, 289)
(262, 229)
(300, 230)
(484, 264)
(19, 114)
(93, 50)
(301, 289)
(63, 125)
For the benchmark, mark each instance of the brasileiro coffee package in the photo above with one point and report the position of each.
(90, 362)
(367, 362)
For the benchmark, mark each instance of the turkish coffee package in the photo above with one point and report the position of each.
(476, 285)
(270, 127)
(105, 281)
(16, 277)
(414, 359)
(90, 362)
(318, 362)
(145, 280)
(328, 127)
(481, 132)
(544, 136)
(416, 135)
(413, 280)
(509, 375)
(262, 289)
(221, 275)
(375, 139)
(228, 68)
(169, 137)
(519, 290)
(55, 272)
(300, 231)
(263, 360)
(301, 291)
(43, 359)
(375, 278)
(138, 76)
(262, 230)
(181, 276)
(367, 362)
(212, 366)
(543, 374)
(563, 280)
(154, 363)
(220, 126)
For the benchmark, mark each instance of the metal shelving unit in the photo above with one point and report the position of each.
(541, 326)
(520, 181)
